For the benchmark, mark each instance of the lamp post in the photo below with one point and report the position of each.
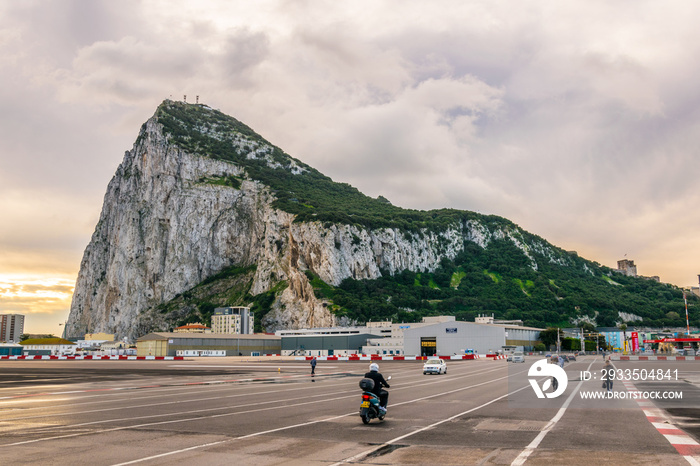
(687, 324)
(558, 341)
(64, 325)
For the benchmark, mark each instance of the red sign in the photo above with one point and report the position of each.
(635, 341)
(674, 340)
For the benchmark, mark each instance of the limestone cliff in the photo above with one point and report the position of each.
(176, 213)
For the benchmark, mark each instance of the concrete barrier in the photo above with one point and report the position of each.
(378, 357)
(94, 358)
(496, 356)
(619, 357)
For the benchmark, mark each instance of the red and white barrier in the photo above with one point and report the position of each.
(94, 358)
(685, 444)
(616, 357)
(379, 357)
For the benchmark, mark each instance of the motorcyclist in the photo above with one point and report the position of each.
(379, 382)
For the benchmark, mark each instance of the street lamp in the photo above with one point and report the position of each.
(558, 341)
(64, 325)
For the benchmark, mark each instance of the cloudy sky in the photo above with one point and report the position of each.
(577, 120)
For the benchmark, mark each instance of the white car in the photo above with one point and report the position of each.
(434, 366)
(518, 357)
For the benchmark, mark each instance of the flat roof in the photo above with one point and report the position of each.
(334, 335)
(511, 326)
(483, 324)
(207, 336)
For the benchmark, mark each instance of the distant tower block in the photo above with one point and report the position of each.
(197, 100)
(627, 267)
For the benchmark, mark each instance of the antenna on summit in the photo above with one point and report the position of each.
(197, 100)
(184, 98)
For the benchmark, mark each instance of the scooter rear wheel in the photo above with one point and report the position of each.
(365, 419)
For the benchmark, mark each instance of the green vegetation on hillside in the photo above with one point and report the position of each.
(299, 188)
(496, 280)
(457, 279)
(230, 181)
(230, 287)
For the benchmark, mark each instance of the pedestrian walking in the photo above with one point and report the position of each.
(313, 366)
(608, 375)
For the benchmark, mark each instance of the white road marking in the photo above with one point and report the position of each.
(522, 457)
(187, 401)
(255, 434)
(224, 414)
(159, 396)
(364, 454)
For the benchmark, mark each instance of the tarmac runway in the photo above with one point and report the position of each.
(262, 412)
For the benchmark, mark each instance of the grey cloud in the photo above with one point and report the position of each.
(55, 30)
(243, 50)
(130, 71)
(577, 121)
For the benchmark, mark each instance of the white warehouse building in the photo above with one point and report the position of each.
(437, 335)
(453, 337)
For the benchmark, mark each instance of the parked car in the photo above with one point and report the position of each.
(572, 358)
(434, 366)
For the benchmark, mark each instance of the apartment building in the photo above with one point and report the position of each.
(232, 320)
(11, 327)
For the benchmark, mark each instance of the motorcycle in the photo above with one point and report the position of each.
(369, 408)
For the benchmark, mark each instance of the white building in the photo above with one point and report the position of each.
(441, 335)
(93, 341)
(48, 346)
(116, 348)
(454, 337)
(337, 341)
(393, 344)
(232, 320)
